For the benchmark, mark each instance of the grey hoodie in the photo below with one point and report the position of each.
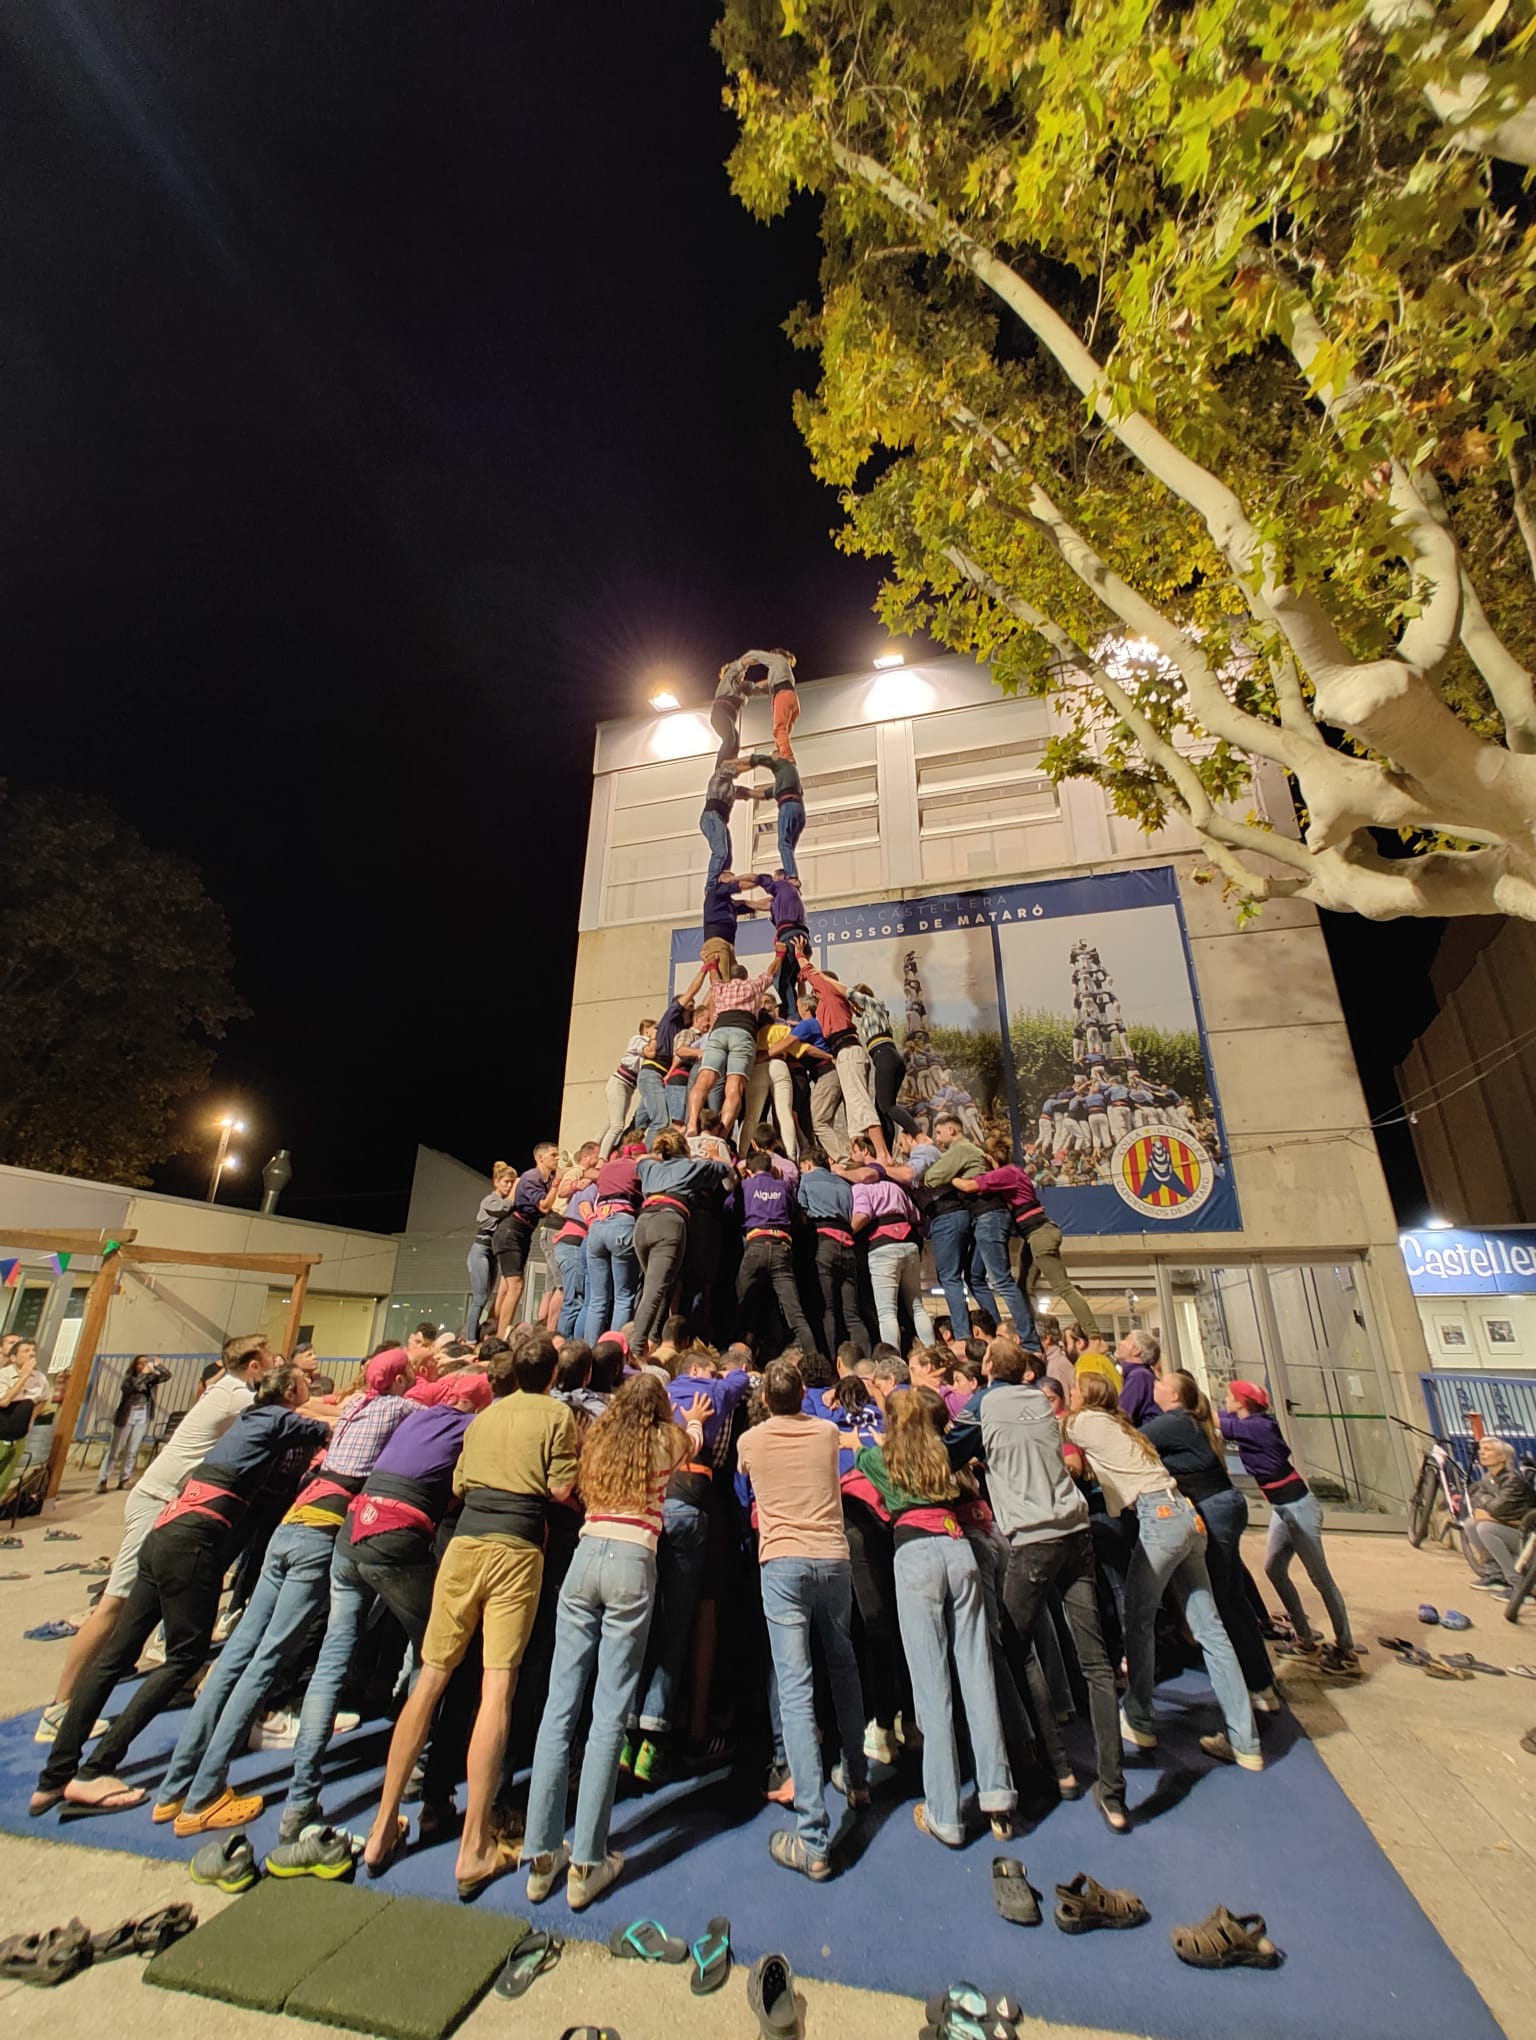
(1033, 1496)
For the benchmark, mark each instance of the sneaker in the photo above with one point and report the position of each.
(1218, 1747)
(545, 1872)
(1138, 1738)
(319, 1852)
(52, 1720)
(878, 1745)
(651, 1763)
(229, 1810)
(345, 1722)
(224, 1628)
(296, 1819)
(1335, 1662)
(275, 1732)
(1001, 1825)
(1309, 1652)
(908, 1734)
(1265, 1702)
(153, 1653)
(228, 1864)
(588, 1881)
(627, 1755)
(856, 1795)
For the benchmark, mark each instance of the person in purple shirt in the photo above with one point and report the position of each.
(768, 1205)
(788, 911)
(1140, 1358)
(1295, 1527)
(722, 916)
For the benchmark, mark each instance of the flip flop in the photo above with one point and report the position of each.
(71, 1565)
(711, 1954)
(10, 1544)
(1397, 1643)
(61, 1537)
(1438, 1668)
(15, 1575)
(973, 2004)
(51, 1632)
(1014, 1896)
(123, 1799)
(647, 1941)
(1524, 1671)
(1472, 1664)
(534, 1953)
(590, 2033)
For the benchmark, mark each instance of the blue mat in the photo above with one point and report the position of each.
(907, 1915)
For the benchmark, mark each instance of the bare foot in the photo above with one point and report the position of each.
(105, 1795)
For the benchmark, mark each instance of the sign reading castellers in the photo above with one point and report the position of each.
(1063, 1014)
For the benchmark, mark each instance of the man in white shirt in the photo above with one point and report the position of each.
(246, 1359)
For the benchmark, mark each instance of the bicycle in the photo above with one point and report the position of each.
(1525, 1576)
(1441, 1501)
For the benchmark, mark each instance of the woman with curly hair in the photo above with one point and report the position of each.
(604, 1614)
(1169, 1553)
(941, 1610)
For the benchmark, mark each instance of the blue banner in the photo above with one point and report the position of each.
(1446, 1262)
(1064, 1014)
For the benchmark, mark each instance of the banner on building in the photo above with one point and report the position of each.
(1064, 1014)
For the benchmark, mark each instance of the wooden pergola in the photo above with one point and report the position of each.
(122, 1247)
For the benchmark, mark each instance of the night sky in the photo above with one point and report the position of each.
(386, 393)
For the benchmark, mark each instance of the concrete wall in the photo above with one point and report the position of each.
(1477, 1148)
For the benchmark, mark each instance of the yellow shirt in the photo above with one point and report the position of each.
(523, 1444)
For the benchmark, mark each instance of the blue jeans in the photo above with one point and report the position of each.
(805, 1598)
(791, 828)
(1171, 1552)
(940, 1607)
(289, 1593)
(351, 1600)
(949, 1234)
(717, 835)
(613, 1276)
(677, 1101)
(895, 1277)
(604, 1614)
(652, 1110)
(1296, 1531)
(993, 1282)
(481, 1263)
(571, 1260)
(680, 1560)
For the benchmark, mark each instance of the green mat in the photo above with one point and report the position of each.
(412, 1975)
(256, 1953)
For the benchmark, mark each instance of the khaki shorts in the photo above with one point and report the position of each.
(487, 1585)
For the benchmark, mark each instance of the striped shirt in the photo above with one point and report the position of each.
(872, 1017)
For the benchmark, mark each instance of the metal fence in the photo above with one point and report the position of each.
(1505, 1402)
(173, 1398)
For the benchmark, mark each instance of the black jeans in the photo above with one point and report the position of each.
(770, 1261)
(881, 1662)
(1067, 1563)
(837, 1272)
(890, 1072)
(181, 1570)
(661, 1241)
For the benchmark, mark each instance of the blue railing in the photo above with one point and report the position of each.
(1505, 1402)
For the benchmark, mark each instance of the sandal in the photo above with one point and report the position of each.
(61, 1537)
(1439, 1668)
(973, 2005)
(1085, 1904)
(508, 1855)
(590, 2033)
(533, 1954)
(1227, 1941)
(402, 1829)
(47, 1959)
(646, 1941)
(157, 1930)
(51, 1632)
(1015, 1898)
(711, 1954)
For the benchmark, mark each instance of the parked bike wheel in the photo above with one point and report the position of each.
(1421, 1510)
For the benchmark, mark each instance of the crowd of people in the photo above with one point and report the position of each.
(645, 1553)
(732, 1496)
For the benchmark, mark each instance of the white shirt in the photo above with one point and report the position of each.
(36, 1388)
(195, 1436)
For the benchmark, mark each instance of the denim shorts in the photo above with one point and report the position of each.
(730, 1051)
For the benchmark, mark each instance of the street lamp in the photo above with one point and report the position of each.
(224, 1159)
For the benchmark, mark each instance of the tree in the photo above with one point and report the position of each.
(114, 984)
(1179, 358)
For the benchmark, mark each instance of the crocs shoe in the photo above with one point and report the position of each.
(1428, 1614)
(228, 1864)
(1454, 1619)
(229, 1810)
(327, 1852)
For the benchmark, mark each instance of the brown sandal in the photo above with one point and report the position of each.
(1227, 1941)
(1085, 1904)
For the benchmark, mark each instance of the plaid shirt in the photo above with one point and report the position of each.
(743, 995)
(871, 1016)
(361, 1435)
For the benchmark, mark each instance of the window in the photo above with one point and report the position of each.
(656, 859)
(840, 849)
(986, 809)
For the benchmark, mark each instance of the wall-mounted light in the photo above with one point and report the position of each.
(888, 659)
(664, 701)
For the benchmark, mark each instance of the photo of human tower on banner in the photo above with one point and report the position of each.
(1100, 1075)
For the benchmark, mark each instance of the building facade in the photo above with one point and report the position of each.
(1019, 930)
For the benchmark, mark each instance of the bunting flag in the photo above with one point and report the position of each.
(8, 1269)
(60, 1262)
(112, 1247)
(12, 1274)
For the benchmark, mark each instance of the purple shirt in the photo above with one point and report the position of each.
(885, 1203)
(768, 1199)
(725, 1393)
(786, 903)
(1261, 1446)
(427, 1445)
(1136, 1398)
(532, 1188)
